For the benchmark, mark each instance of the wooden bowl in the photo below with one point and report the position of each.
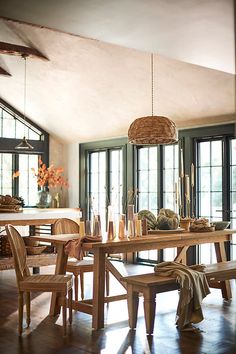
(31, 250)
(29, 241)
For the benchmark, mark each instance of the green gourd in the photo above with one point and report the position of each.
(151, 219)
(167, 219)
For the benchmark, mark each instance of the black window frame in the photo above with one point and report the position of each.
(187, 141)
(7, 145)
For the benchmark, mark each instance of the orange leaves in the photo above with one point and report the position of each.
(16, 174)
(50, 176)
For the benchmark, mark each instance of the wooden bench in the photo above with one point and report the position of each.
(150, 285)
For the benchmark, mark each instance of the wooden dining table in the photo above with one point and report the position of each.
(181, 240)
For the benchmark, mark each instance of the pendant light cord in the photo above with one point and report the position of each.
(152, 82)
(24, 57)
(24, 87)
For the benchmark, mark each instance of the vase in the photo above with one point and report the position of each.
(44, 198)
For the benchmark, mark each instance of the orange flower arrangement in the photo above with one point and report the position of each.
(49, 176)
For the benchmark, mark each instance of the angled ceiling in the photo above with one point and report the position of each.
(198, 32)
(92, 89)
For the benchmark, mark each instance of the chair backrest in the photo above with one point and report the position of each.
(18, 251)
(65, 226)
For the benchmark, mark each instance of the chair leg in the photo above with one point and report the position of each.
(76, 286)
(64, 308)
(20, 312)
(82, 285)
(70, 305)
(28, 308)
(107, 283)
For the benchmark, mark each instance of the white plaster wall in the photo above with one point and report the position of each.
(72, 167)
(58, 157)
(67, 156)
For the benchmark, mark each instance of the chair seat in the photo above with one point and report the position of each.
(85, 265)
(49, 283)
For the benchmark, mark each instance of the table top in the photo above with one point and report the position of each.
(34, 216)
(184, 237)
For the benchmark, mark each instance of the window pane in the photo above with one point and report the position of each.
(170, 176)
(209, 188)
(20, 131)
(147, 178)
(204, 158)
(205, 179)
(116, 182)
(143, 181)
(233, 194)
(28, 188)
(216, 205)
(216, 175)
(8, 126)
(216, 156)
(6, 172)
(97, 186)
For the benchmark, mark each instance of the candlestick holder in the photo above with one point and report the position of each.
(193, 203)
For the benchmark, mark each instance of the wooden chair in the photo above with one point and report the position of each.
(77, 267)
(38, 283)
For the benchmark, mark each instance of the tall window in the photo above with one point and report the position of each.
(12, 128)
(152, 176)
(97, 185)
(170, 175)
(27, 182)
(209, 191)
(116, 181)
(105, 187)
(147, 179)
(216, 189)
(6, 171)
(233, 193)
(209, 170)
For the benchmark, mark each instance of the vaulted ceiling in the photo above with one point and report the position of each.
(98, 79)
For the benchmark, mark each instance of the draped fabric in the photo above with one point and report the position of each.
(74, 247)
(193, 289)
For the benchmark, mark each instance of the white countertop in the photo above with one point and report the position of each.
(47, 213)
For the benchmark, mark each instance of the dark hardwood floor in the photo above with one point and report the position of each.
(217, 333)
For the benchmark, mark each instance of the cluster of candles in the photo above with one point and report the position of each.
(135, 227)
(86, 229)
(182, 190)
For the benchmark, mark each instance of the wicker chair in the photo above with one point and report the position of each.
(77, 267)
(28, 283)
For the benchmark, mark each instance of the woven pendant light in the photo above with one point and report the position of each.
(152, 130)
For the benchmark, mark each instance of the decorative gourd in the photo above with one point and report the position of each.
(167, 220)
(151, 219)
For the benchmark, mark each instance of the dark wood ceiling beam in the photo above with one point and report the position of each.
(4, 72)
(14, 49)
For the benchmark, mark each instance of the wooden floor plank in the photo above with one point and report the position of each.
(218, 330)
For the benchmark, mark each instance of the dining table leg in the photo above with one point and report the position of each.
(221, 257)
(98, 289)
(60, 268)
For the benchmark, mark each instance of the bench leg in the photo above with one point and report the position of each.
(149, 309)
(133, 301)
(221, 257)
